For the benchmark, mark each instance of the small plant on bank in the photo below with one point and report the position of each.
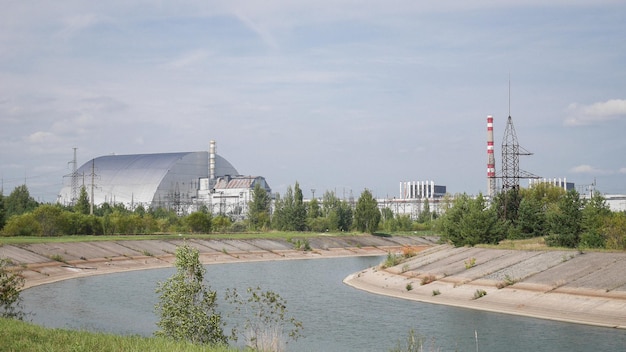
(58, 258)
(413, 343)
(408, 251)
(409, 286)
(302, 245)
(479, 293)
(508, 281)
(436, 292)
(470, 263)
(146, 253)
(428, 279)
(392, 260)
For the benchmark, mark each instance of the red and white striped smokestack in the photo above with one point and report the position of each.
(491, 160)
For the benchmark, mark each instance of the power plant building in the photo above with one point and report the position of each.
(179, 181)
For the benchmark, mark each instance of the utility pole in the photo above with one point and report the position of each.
(74, 179)
(93, 176)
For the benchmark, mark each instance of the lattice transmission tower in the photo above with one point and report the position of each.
(511, 151)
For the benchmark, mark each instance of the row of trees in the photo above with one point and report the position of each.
(333, 214)
(21, 215)
(563, 218)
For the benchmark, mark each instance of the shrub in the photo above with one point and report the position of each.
(428, 279)
(392, 260)
(409, 286)
(10, 284)
(470, 263)
(436, 292)
(479, 293)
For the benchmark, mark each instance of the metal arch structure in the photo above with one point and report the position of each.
(162, 179)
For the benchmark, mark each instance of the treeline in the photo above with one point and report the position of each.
(21, 215)
(563, 219)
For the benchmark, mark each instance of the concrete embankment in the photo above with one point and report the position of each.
(51, 262)
(587, 288)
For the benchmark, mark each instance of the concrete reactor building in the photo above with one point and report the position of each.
(178, 181)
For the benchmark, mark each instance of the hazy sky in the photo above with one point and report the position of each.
(337, 95)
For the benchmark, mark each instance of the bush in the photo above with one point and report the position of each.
(22, 225)
(11, 283)
(479, 293)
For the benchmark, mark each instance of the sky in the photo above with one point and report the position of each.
(338, 95)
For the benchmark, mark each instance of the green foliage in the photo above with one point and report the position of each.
(11, 282)
(19, 202)
(564, 221)
(221, 223)
(186, 307)
(469, 222)
(314, 210)
(301, 244)
(470, 263)
(82, 203)
(259, 209)
(23, 336)
(198, 222)
(436, 292)
(425, 215)
(614, 228)
(413, 343)
(479, 293)
(409, 286)
(22, 225)
(391, 260)
(266, 323)
(367, 215)
(290, 211)
(338, 213)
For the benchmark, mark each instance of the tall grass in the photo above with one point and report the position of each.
(17, 335)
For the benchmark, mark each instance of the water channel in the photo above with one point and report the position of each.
(335, 317)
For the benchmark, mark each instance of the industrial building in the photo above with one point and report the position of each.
(413, 196)
(178, 181)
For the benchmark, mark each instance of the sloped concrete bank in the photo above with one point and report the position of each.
(587, 288)
(51, 262)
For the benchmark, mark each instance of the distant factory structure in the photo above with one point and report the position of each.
(413, 197)
(182, 182)
(556, 182)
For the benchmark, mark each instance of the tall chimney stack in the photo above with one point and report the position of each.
(491, 160)
(212, 162)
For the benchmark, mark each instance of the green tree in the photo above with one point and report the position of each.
(11, 282)
(314, 210)
(82, 203)
(298, 215)
(595, 213)
(50, 218)
(186, 307)
(564, 221)
(615, 229)
(367, 215)
(425, 215)
(19, 202)
(470, 222)
(259, 208)
(531, 220)
(198, 222)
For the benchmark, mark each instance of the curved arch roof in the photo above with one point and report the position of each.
(144, 178)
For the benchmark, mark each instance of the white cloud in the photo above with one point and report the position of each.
(579, 115)
(588, 169)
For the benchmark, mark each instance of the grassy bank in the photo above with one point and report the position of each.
(21, 336)
(220, 236)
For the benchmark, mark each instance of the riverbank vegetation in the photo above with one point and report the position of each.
(543, 213)
(22, 216)
(23, 336)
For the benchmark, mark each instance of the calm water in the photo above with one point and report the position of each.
(335, 317)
